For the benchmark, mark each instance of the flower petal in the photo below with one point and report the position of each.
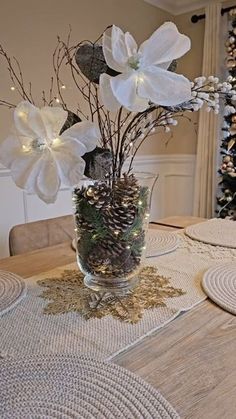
(36, 173)
(85, 132)
(124, 87)
(54, 119)
(118, 44)
(108, 54)
(130, 44)
(164, 87)
(106, 94)
(165, 45)
(118, 48)
(24, 170)
(10, 149)
(47, 181)
(70, 165)
(77, 172)
(28, 121)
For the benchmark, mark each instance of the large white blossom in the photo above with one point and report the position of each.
(39, 158)
(143, 72)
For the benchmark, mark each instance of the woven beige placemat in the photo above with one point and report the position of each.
(158, 242)
(76, 387)
(12, 290)
(219, 283)
(217, 232)
(27, 330)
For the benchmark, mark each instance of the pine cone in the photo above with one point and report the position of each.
(126, 190)
(98, 194)
(78, 195)
(112, 259)
(82, 224)
(107, 252)
(118, 219)
(110, 248)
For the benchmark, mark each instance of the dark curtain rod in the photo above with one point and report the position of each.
(196, 18)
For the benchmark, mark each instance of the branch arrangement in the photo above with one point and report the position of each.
(126, 92)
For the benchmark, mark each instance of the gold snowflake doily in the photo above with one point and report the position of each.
(67, 293)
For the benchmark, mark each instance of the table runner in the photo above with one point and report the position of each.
(27, 330)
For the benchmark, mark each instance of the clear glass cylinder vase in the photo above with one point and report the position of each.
(111, 224)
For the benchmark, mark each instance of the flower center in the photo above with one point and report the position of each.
(134, 62)
(40, 144)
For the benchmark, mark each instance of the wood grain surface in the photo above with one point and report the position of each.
(192, 362)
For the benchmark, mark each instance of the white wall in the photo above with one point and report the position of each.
(172, 195)
(28, 30)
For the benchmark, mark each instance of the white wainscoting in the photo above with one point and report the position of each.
(172, 195)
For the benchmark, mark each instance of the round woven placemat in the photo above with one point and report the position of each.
(217, 232)
(158, 243)
(76, 387)
(12, 290)
(219, 283)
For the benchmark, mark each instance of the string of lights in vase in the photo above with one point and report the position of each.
(227, 200)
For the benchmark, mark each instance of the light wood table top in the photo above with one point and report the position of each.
(192, 360)
(177, 222)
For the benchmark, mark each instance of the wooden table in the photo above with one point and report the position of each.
(192, 360)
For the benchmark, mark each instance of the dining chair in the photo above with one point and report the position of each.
(38, 234)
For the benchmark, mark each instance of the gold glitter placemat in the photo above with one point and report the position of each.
(67, 293)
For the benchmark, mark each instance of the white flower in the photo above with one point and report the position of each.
(39, 157)
(144, 77)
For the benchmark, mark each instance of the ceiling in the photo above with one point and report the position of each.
(177, 7)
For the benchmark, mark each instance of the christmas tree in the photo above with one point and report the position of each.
(227, 200)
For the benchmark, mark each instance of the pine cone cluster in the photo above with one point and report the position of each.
(109, 223)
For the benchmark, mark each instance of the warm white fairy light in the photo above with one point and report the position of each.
(26, 148)
(57, 100)
(63, 86)
(56, 141)
(23, 115)
(140, 79)
(13, 88)
(140, 202)
(116, 232)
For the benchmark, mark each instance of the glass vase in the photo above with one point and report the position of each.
(111, 224)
